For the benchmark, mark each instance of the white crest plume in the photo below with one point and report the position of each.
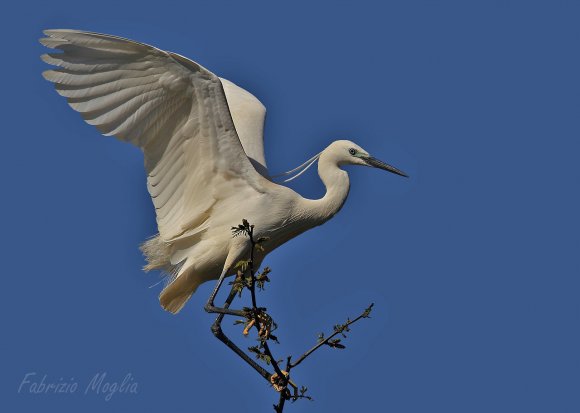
(299, 170)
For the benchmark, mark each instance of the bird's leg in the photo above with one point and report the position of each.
(211, 308)
(216, 329)
(234, 255)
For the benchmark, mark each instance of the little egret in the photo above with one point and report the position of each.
(202, 139)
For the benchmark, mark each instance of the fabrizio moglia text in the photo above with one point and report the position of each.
(99, 384)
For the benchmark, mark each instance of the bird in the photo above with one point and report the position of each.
(202, 140)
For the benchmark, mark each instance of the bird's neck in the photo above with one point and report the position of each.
(337, 186)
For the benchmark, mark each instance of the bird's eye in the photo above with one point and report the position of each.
(352, 151)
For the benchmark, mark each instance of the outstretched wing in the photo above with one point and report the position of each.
(172, 108)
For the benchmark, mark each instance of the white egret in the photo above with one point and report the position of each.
(203, 146)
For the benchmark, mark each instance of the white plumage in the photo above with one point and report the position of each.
(202, 139)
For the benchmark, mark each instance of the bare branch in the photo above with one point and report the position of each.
(256, 310)
(338, 329)
(258, 317)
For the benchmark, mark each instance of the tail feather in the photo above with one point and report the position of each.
(178, 288)
(172, 303)
(175, 295)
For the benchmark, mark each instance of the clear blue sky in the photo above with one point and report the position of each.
(473, 262)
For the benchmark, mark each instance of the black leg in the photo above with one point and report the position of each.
(216, 329)
(210, 308)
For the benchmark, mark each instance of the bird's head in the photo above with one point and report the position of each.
(349, 153)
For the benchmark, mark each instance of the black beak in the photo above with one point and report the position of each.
(374, 162)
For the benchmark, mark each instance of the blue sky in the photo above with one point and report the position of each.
(472, 262)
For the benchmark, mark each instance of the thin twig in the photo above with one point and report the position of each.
(365, 314)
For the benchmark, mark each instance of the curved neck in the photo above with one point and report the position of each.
(337, 187)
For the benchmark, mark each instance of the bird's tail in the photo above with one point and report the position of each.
(178, 288)
(175, 295)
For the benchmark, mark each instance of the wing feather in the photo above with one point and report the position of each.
(249, 115)
(175, 110)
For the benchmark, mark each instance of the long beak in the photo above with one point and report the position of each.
(374, 162)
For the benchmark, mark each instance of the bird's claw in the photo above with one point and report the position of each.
(278, 382)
